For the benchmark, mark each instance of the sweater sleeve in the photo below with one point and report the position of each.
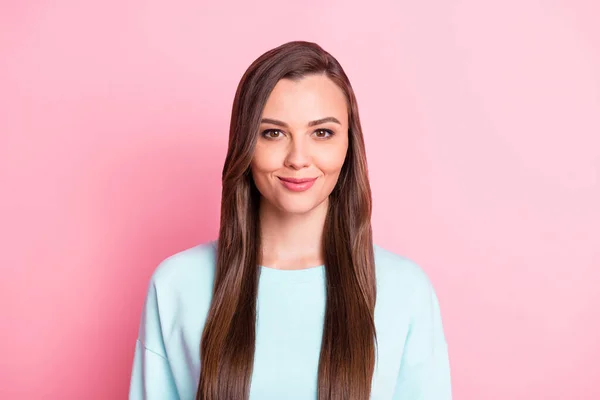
(425, 368)
(151, 376)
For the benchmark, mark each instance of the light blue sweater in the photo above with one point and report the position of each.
(412, 355)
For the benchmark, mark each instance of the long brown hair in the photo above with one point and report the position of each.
(347, 357)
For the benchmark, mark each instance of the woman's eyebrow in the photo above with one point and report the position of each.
(311, 123)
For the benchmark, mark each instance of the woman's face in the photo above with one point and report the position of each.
(304, 135)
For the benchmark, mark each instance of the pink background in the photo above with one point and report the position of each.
(482, 123)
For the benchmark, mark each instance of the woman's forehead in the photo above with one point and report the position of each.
(310, 98)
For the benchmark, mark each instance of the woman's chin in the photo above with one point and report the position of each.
(298, 206)
(297, 209)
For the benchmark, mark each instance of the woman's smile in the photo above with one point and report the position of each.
(297, 185)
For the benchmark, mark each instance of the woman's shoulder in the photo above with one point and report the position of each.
(399, 271)
(190, 266)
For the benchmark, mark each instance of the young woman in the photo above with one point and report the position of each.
(293, 300)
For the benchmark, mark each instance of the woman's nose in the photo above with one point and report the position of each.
(298, 155)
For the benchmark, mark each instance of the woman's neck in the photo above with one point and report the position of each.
(291, 241)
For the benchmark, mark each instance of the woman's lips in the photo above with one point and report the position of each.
(297, 184)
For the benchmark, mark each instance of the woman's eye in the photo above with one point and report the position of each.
(271, 133)
(324, 133)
